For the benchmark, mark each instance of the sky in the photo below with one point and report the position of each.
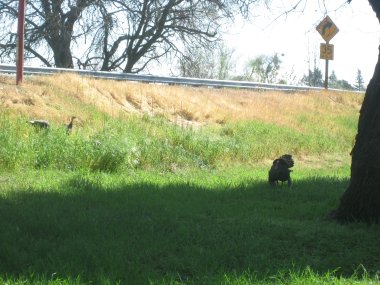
(295, 36)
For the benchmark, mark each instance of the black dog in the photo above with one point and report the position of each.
(280, 170)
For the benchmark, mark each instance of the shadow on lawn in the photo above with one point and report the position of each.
(142, 232)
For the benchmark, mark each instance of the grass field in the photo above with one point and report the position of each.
(168, 185)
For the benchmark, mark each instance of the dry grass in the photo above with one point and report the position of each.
(58, 96)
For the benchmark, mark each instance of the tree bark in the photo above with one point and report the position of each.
(62, 53)
(361, 200)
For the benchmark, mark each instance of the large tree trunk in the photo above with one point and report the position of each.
(361, 200)
(62, 54)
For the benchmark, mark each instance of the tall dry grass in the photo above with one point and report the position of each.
(58, 96)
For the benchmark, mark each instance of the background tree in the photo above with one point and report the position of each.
(289, 77)
(49, 29)
(343, 84)
(333, 79)
(361, 200)
(213, 61)
(226, 62)
(264, 68)
(359, 81)
(115, 34)
(154, 29)
(336, 83)
(313, 78)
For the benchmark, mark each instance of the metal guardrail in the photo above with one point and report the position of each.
(28, 70)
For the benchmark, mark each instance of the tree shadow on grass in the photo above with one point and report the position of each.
(140, 233)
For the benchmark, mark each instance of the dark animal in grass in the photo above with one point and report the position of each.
(42, 124)
(69, 126)
(280, 170)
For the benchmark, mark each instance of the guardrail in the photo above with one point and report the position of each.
(29, 70)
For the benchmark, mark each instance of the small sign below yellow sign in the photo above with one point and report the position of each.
(327, 51)
(327, 29)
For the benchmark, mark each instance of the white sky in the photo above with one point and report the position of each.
(295, 36)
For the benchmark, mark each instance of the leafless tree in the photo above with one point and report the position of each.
(114, 34)
(213, 61)
(51, 28)
(133, 34)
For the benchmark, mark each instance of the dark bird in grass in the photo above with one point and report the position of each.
(69, 126)
(42, 124)
(280, 170)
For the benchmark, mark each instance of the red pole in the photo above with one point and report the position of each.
(20, 42)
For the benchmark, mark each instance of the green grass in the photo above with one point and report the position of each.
(147, 143)
(141, 201)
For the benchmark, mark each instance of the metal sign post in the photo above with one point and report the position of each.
(327, 30)
(326, 74)
(327, 53)
(20, 42)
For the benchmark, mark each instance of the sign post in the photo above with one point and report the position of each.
(20, 42)
(327, 29)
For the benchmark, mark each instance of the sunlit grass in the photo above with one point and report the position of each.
(154, 143)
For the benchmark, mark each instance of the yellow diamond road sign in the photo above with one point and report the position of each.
(327, 29)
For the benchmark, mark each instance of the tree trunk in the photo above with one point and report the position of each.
(62, 55)
(361, 200)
